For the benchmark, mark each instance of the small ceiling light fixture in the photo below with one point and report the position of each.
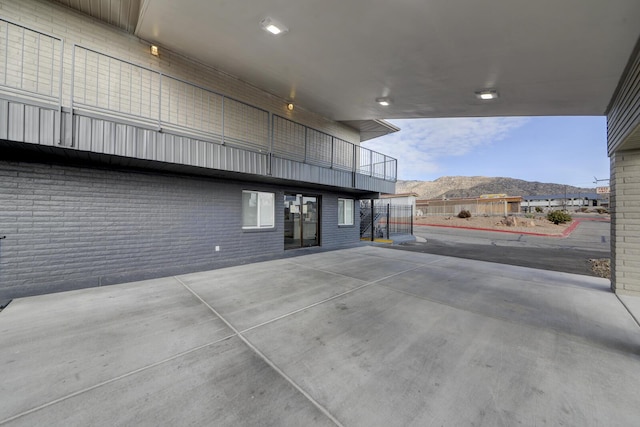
(154, 50)
(385, 102)
(275, 28)
(486, 95)
(290, 106)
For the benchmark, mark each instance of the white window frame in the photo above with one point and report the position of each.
(347, 220)
(260, 197)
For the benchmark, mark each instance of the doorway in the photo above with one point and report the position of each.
(301, 221)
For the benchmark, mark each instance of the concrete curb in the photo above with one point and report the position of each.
(567, 231)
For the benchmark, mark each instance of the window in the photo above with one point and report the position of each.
(345, 211)
(258, 209)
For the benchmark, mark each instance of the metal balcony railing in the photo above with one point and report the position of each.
(31, 63)
(103, 84)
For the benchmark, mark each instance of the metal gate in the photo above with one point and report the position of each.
(381, 221)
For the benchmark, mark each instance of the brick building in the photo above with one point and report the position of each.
(118, 165)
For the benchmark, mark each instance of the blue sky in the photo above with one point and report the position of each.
(563, 150)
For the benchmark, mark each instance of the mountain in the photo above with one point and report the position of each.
(474, 186)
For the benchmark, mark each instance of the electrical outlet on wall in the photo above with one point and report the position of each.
(217, 248)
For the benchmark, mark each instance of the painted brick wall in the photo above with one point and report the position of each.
(332, 233)
(72, 227)
(74, 27)
(625, 222)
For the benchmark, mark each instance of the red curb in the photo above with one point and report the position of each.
(567, 231)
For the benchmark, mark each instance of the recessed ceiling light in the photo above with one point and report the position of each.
(273, 27)
(486, 95)
(385, 102)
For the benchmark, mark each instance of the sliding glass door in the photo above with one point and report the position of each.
(301, 221)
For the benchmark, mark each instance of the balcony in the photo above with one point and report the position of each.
(97, 103)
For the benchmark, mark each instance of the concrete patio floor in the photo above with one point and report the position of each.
(358, 337)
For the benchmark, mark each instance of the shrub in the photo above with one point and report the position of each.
(602, 211)
(464, 214)
(558, 217)
(538, 209)
(529, 215)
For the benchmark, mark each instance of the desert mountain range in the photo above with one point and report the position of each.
(474, 186)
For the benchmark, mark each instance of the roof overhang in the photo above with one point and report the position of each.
(123, 14)
(370, 129)
(429, 57)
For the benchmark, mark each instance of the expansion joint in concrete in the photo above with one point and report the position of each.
(264, 357)
(111, 380)
(628, 310)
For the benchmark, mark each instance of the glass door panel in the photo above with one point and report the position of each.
(291, 221)
(310, 221)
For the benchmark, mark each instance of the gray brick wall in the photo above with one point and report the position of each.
(625, 222)
(72, 227)
(332, 233)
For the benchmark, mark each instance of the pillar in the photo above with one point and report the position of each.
(625, 222)
(623, 141)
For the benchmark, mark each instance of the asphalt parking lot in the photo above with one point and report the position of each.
(590, 240)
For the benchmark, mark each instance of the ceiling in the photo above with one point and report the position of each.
(544, 57)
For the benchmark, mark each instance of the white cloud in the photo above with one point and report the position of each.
(421, 142)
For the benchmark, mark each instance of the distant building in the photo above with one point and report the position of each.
(569, 201)
(487, 204)
(402, 199)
